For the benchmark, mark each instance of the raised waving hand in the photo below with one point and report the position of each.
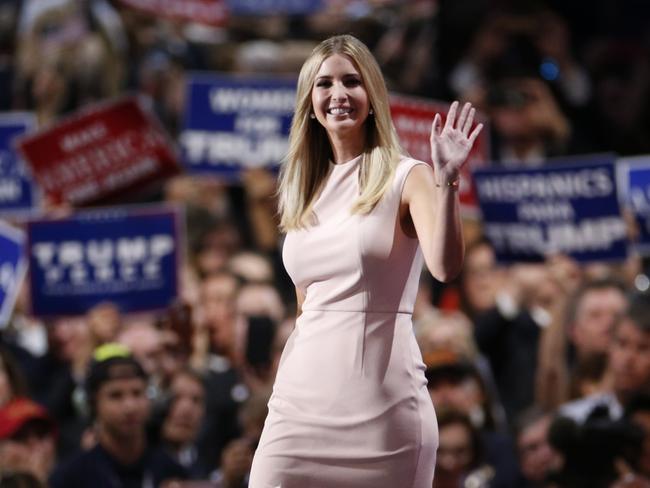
(451, 143)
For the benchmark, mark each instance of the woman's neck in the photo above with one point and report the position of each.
(346, 146)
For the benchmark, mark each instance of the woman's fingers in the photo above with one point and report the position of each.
(451, 116)
(435, 127)
(475, 133)
(468, 123)
(463, 116)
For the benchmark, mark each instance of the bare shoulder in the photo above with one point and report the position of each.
(419, 178)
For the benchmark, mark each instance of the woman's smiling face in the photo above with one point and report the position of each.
(339, 98)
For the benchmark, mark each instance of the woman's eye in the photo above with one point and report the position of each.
(323, 84)
(353, 82)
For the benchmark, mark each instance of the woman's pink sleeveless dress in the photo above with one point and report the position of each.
(350, 407)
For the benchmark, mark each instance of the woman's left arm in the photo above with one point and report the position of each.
(437, 220)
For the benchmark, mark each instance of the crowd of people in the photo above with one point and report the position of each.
(539, 373)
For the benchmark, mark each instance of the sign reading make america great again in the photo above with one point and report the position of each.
(126, 256)
(413, 116)
(210, 12)
(18, 193)
(101, 152)
(12, 268)
(569, 208)
(236, 122)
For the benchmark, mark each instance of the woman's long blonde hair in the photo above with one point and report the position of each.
(307, 162)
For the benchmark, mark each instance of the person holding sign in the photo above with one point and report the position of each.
(350, 405)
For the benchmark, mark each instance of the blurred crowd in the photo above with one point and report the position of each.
(540, 373)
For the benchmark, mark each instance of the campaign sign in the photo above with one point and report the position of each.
(570, 208)
(270, 7)
(634, 186)
(235, 122)
(210, 12)
(18, 193)
(413, 117)
(125, 256)
(12, 269)
(101, 152)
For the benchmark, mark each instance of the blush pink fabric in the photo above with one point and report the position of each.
(350, 406)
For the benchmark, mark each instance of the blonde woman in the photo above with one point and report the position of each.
(350, 406)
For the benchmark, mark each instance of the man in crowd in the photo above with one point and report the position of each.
(27, 439)
(116, 393)
(628, 366)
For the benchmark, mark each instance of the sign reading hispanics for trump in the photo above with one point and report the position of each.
(210, 12)
(12, 268)
(99, 153)
(634, 185)
(569, 208)
(18, 194)
(127, 256)
(236, 122)
(413, 118)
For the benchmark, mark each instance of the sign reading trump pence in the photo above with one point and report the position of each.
(234, 122)
(12, 269)
(18, 193)
(99, 153)
(126, 256)
(570, 208)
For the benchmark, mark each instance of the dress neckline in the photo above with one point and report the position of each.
(347, 163)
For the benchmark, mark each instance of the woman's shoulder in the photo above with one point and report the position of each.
(405, 165)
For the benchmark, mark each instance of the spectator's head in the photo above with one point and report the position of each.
(454, 383)
(116, 386)
(451, 331)
(27, 438)
(69, 338)
(595, 308)
(104, 321)
(186, 409)
(219, 309)
(12, 382)
(629, 350)
(144, 341)
(251, 267)
(215, 247)
(480, 278)
(260, 299)
(536, 456)
(459, 449)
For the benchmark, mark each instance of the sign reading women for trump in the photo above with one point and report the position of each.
(99, 153)
(413, 117)
(18, 193)
(232, 123)
(634, 185)
(126, 256)
(570, 208)
(12, 269)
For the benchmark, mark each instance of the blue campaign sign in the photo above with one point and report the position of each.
(569, 206)
(127, 256)
(12, 269)
(233, 123)
(18, 193)
(270, 7)
(634, 186)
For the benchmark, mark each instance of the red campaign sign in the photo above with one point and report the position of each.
(99, 153)
(413, 117)
(210, 12)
